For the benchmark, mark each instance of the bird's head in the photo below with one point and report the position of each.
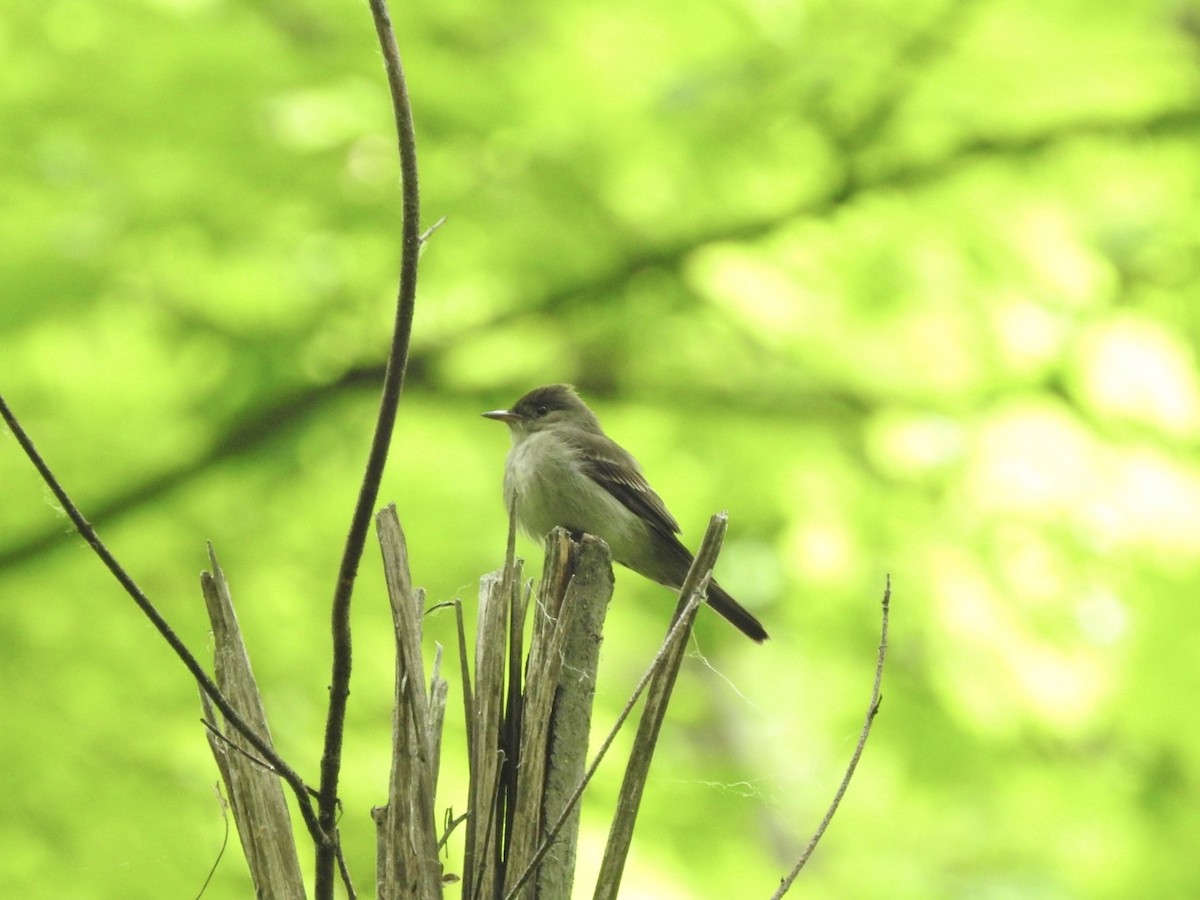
(546, 408)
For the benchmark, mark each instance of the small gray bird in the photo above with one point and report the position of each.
(564, 470)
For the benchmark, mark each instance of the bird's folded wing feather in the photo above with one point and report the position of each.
(606, 463)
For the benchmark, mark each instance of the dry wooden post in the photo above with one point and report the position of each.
(499, 594)
(528, 719)
(407, 863)
(260, 812)
(589, 594)
(528, 724)
(560, 681)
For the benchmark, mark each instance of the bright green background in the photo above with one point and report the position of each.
(908, 288)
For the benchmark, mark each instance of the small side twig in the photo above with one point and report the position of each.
(343, 868)
(872, 710)
(224, 808)
(452, 822)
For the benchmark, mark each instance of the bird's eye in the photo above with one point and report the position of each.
(541, 410)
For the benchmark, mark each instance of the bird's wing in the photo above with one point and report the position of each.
(611, 467)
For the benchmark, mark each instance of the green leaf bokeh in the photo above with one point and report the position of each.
(907, 288)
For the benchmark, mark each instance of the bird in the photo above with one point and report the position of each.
(563, 470)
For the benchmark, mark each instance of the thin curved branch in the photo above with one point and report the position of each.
(410, 243)
(88, 533)
(872, 710)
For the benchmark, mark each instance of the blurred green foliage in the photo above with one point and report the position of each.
(908, 288)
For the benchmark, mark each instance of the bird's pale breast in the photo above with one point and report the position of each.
(552, 489)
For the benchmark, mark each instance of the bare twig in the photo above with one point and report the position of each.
(215, 734)
(224, 807)
(620, 835)
(393, 382)
(428, 232)
(343, 869)
(207, 685)
(876, 698)
(452, 822)
(468, 696)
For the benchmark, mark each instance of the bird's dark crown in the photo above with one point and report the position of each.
(554, 402)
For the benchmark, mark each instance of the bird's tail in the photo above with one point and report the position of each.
(735, 613)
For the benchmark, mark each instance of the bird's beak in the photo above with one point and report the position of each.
(501, 415)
